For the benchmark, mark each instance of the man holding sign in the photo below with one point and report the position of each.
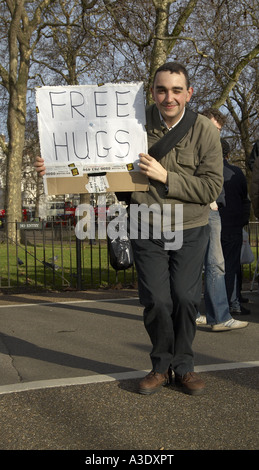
(185, 170)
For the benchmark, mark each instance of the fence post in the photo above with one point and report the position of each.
(78, 263)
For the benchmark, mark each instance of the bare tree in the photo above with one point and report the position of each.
(105, 40)
(73, 47)
(153, 25)
(217, 39)
(23, 19)
(229, 49)
(76, 47)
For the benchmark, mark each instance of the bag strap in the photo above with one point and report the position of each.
(166, 143)
(171, 138)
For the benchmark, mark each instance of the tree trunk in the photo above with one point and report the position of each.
(19, 37)
(18, 77)
(16, 126)
(163, 41)
(160, 48)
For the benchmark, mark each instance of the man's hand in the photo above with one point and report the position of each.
(150, 167)
(39, 166)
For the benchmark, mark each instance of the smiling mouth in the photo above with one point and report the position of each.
(170, 107)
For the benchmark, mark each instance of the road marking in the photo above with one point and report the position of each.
(67, 302)
(74, 302)
(93, 379)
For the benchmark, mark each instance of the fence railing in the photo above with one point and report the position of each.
(51, 257)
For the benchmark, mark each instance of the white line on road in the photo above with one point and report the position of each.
(92, 379)
(66, 302)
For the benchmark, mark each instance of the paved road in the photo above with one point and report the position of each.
(69, 369)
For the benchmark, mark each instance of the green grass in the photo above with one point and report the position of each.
(95, 269)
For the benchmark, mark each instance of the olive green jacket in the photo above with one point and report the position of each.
(195, 171)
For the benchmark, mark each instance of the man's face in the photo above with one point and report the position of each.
(170, 94)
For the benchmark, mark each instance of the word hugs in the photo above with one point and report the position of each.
(91, 124)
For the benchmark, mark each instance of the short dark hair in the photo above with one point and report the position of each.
(216, 114)
(173, 67)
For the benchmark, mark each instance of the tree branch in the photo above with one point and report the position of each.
(233, 78)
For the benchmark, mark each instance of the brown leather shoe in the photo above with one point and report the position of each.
(191, 383)
(154, 381)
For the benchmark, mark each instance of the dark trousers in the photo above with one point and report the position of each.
(231, 247)
(170, 290)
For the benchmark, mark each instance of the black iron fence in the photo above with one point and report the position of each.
(50, 256)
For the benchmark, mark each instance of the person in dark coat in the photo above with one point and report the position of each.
(253, 155)
(255, 184)
(234, 216)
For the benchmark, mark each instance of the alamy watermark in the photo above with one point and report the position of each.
(131, 223)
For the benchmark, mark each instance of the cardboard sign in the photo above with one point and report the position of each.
(87, 133)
